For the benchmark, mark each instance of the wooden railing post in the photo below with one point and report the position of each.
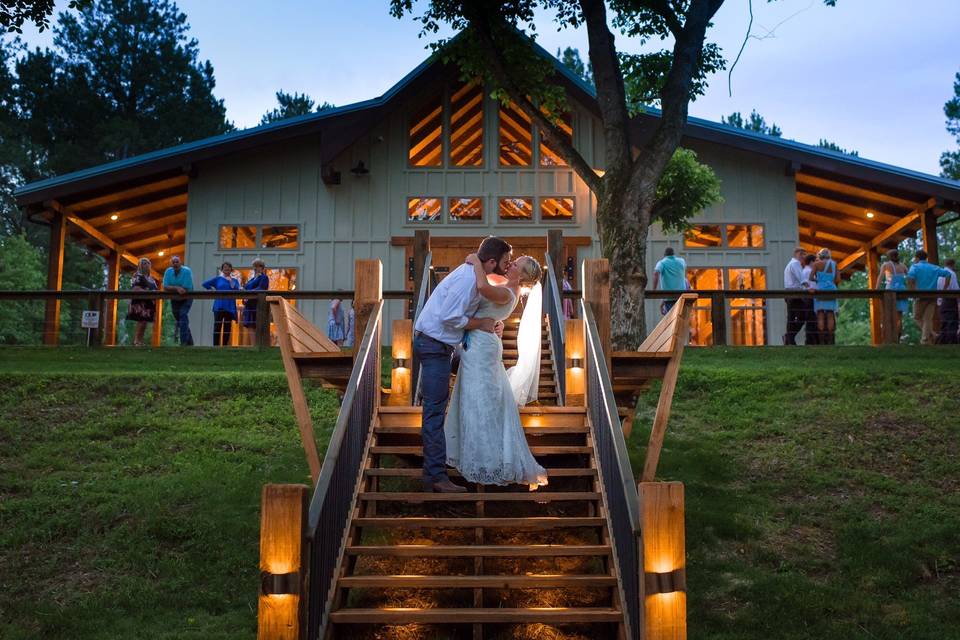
(596, 291)
(889, 304)
(158, 324)
(664, 561)
(96, 304)
(718, 318)
(368, 291)
(421, 247)
(555, 251)
(282, 602)
(575, 356)
(402, 352)
(873, 274)
(262, 330)
(51, 316)
(110, 312)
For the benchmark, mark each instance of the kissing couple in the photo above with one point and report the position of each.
(481, 434)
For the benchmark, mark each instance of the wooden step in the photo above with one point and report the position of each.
(528, 523)
(545, 411)
(561, 615)
(414, 429)
(535, 450)
(527, 496)
(480, 551)
(474, 582)
(453, 473)
(526, 419)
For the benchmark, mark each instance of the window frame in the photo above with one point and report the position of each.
(533, 219)
(724, 239)
(428, 223)
(539, 204)
(448, 216)
(258, 237)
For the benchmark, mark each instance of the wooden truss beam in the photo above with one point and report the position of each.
(891, 231)
(849, 189)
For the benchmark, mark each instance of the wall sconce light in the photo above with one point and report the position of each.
(360, 169)
(400, 363)
(576, 363)
(273, 584)
(668, 582)
(664, 561)
(329, 175)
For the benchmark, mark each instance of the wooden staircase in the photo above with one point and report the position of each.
(496, 562)
(547, 394)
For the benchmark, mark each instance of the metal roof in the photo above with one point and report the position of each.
(804, 155)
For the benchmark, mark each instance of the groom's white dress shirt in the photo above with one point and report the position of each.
(450, 306)
(793, 275)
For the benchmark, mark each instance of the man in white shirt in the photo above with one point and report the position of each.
(949, 312)
(445, 316)
(796, 307)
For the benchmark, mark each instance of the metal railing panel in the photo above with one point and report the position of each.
(616, 476)
(553, 304)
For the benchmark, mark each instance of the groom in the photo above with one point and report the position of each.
(446, 315)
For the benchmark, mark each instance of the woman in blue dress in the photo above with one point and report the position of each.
(893, 276)
(827, 277)
(335, 327)
(260, 281)
(224, 309)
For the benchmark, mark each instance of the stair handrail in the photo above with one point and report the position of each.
(424, 287)
(616, 476)
(553, 303)
(336, 489)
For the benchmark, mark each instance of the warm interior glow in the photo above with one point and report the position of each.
(600, 172)
(161, 253)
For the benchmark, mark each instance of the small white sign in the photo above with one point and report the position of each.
(90, 320)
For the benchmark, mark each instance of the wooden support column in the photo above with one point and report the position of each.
(664, 561)
(595, 281)
(110, 311)
(928, 224)
(889, 322)
(51, 317)
(367, 292)
(284, 552)
(158, 324)
(876, 313)
(555, 251)
(718, 318)
(421, 247)
(261, 336)
(402, 352)
(576, 353)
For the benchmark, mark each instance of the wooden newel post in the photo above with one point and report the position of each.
(262, 330)
(158, 324)
(284, 562)
(595, 277)
(575, 356)
(110, 312)
(555, 251)
(718, 318)
(664, 561)
(402, 353)
(876, 313)
(367, 292)
(890, 333)
(421, 247)
(51, 316)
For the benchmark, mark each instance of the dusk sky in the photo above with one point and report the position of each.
(870, 75)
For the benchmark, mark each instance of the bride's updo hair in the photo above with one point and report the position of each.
(530, 271)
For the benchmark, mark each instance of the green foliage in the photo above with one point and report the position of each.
(686, 188)
(644, 75)
(292, 105)
(570, 57)
(13, 13)
(21, 268)
(833, 146)
(950, 160)
(755, 123)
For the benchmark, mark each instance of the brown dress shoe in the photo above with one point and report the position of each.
(445, 486)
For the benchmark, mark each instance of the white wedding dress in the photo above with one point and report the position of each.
(485, 439)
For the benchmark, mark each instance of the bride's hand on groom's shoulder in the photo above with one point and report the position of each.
(472, 259)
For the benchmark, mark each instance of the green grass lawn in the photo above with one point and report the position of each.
(823, 490)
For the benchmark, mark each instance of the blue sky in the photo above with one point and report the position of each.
(871, 75)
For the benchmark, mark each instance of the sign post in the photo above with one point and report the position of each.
(90, 320)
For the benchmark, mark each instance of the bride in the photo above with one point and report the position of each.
(485, 439)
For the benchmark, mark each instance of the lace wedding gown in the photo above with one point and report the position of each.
(485, 439)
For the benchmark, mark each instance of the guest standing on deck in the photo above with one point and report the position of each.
(923, 277)
(336, 330)
(796, 307)
(260, 281)
(949, 315)
(827, 277)
(350, 318)
(142, 310)
(669, 274)
(567, 286)
(809, 316)
(224, 309)
(893, 276)
(179, 278)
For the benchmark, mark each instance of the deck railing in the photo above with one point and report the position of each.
(336, 487)
(616, 475)
(553, 306)
(424, 286)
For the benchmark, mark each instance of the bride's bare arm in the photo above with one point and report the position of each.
(493, 293)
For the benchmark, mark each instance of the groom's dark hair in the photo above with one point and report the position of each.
(493, 248)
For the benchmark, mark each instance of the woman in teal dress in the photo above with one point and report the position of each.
(893, 276)
(826, 276)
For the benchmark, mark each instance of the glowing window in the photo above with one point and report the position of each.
(426, 140)
(516, 208)
(550, 155)
(556, 208)
(466, 125)
(466, 209)
(703, 235)
(516, 137)
(747, 315)
(701, 320)
(424, 209)
(280, 237)
(238, 237)
(745, 236)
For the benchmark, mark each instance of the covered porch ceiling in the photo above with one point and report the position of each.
(856, 219)
(144, 218)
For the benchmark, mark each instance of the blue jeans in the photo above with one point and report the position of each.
(181, 311)
(435, 358)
